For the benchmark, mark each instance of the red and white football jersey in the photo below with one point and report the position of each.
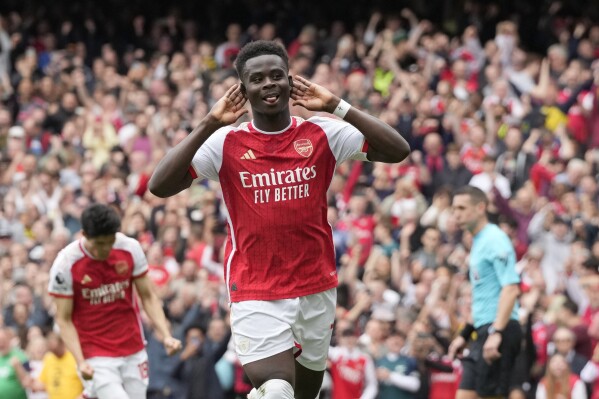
(352, 372)
(105, 311)
(274, 186)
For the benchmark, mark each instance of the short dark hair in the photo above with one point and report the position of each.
(452, 147)
(431, 227)
(489, 158)
(592, 264)
(398, 333)
(256, 49)
(196, 326)
(100, 220)
(349, 332)
(511, 222)
(445, 189)
(571, 306)
(476, 194)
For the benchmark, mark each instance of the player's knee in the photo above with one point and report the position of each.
(273, 389)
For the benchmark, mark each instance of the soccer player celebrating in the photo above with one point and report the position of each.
(274, 172)
(92, 281)
(488, 366)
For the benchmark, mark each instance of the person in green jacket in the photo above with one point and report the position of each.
(13, 365)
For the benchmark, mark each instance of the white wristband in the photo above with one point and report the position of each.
(342, 109)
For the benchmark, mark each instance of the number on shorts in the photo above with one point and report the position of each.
(143, 370)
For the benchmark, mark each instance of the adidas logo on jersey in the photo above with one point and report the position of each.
(249, 155)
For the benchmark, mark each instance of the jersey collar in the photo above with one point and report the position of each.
(292, 124)
(84, 250)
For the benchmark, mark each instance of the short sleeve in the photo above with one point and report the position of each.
(504, 263)
(208, 159)
(140, 262)
(346, 142)
(61, 280)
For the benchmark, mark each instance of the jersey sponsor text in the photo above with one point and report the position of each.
(106, 293)
(278, 178)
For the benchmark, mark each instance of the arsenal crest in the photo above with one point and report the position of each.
(303, 147)
(243, 345)
(121, 267)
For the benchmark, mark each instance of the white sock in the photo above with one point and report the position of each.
(273, 389)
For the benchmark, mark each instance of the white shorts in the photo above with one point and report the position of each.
(265, 328)
(131, 372)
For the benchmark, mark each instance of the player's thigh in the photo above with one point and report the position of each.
(511, 361)
(495, 378)
(135, 375)
(111, 391)
(307, 382)
(263, 338)
(519, 378)
(276, 367)
(511, 344)
(469, 377)
(314, 327)
(473, 366)
(106, 374)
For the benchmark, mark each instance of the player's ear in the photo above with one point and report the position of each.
(243, 91)
(290, 80)
(482, 206)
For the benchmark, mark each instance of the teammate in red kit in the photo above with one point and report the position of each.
(275, 172)
(92, 281)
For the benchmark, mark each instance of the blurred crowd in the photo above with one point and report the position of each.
(85, 117)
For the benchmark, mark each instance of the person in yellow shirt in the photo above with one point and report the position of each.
(59, 371)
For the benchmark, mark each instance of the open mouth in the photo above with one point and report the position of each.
(271, 98)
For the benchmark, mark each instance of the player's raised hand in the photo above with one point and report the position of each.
(87, 371)
(230, 107)
(311, 96)
(171, 345)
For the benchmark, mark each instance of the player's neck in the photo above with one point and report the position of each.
(272, 123)
(86, 248)
(479, 226)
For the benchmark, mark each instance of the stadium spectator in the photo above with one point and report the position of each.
(560, 381)
(14, 377)
(563, 341)
(454, 174)
(58, 375)
(353, 372)
(568, 316)
(36, 348)
(397, 374)
(197, 367)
